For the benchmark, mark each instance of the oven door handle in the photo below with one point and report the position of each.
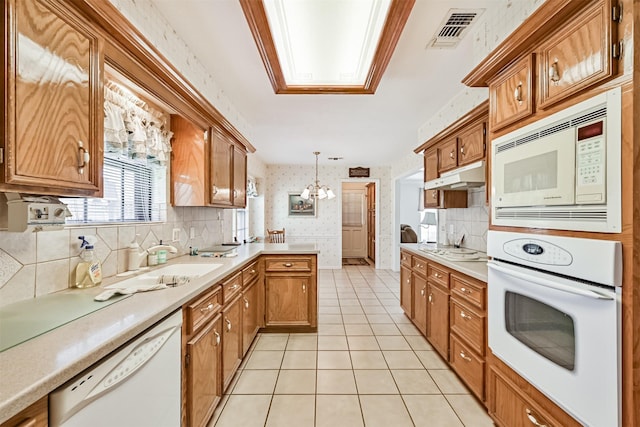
(545, 282)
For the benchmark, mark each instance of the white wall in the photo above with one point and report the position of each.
(409, 199)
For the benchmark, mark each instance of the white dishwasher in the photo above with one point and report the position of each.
(136, 386)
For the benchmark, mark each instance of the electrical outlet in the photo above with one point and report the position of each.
(192, 232)
(175, 235)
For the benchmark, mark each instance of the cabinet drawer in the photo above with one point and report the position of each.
(471, 292)
(203, 308)
(436, 274)
(469, 366)
(419, 265)
(231, 288)
(448, 158)
(250, 273)
(469, 325)
(405, 259)
(288, 264)
(511, 94)
(509, 407)
(578, 56)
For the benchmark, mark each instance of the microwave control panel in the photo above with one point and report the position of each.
(591, 164)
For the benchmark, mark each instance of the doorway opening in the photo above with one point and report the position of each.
(359, 223)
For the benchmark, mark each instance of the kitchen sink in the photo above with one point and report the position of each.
(192, 271)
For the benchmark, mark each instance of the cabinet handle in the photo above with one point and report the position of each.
(214, 190)
(304, 287)
(466, 291)
(517, 93)
(533, 418)
(422, 291)
(431, 298)
(246, 303)
(465, 357)
(235, 193)
(228, 324)
(436, 275)
(83, 157)
(462, 150)
(464, 315)
(253, 271)
(554, 73)
(207, 308)
(288, 264)
(217, 338)
(451, 154)
(234, 287)
(434, 194)
(408, 281)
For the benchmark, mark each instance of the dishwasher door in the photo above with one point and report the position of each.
(136, 386)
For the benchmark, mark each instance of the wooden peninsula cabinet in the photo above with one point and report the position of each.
(291, 292)
(53, 112)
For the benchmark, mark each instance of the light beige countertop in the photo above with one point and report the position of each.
(475, 269)
(36, 367)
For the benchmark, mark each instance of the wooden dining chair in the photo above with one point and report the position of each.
(276, 236)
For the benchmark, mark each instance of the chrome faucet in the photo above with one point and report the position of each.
(172, 249)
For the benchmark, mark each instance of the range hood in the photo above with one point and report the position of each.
(459, 179)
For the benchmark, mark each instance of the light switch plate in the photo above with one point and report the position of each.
(175, 236)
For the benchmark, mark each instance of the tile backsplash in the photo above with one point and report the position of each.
(36, 264)
(473, 221)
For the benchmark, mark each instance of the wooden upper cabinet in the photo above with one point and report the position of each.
(471, 144)
(448, 158)
(578, 55)
(511, 94)
(53, 114)
(189, 150)
(430, 164)
(239, 177)
(221, 168)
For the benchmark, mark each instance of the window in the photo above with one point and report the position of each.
(134, 191)
(429, 226)
(241, 225)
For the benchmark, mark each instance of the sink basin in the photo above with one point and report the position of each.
(151, 277)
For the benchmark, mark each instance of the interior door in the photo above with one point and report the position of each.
(354, 224)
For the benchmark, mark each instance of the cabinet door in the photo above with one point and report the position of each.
(188, 156)
(468, 365)
(448, 155)
(250, 323)
(431, 199)
(578, 56)
(239, 178)
(420, 303)
(430, 164)
(438, 319)
(221, 168)
(471, 144)
(203, 373)
(511, 94)
(406, 294)
(53, 129)
(231, 340)
(287, 300)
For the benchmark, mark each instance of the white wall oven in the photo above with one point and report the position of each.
(563, 171)
(554, 317)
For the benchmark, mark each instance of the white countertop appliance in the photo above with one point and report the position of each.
(563, 171)
(136, 386)
(554, 317)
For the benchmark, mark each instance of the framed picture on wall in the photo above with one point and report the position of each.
(299, 207)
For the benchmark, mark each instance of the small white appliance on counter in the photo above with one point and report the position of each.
(138, 385)
(554, 317)
(563, 171)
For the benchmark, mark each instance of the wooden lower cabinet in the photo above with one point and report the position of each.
(438, 319)
(468, 365)
(231, 340)
(36, 415)
(406, 294)
(250, 319)
(203, 373)
(420, 303)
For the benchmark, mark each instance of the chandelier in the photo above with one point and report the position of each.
(317, 191)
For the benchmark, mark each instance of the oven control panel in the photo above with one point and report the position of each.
(537, 251)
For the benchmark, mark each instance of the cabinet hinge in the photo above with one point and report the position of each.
(616, 50)
(1, 155)
(616, 13)
(187, 359)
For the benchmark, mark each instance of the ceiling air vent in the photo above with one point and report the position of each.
(453, 28)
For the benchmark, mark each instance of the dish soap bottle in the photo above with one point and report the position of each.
(89, 270)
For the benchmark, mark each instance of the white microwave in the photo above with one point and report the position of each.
(561, 172)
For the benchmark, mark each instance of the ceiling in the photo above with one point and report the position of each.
(365, 130)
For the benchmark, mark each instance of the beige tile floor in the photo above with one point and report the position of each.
(366, 366)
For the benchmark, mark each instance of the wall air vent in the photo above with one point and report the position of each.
(453, 28)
